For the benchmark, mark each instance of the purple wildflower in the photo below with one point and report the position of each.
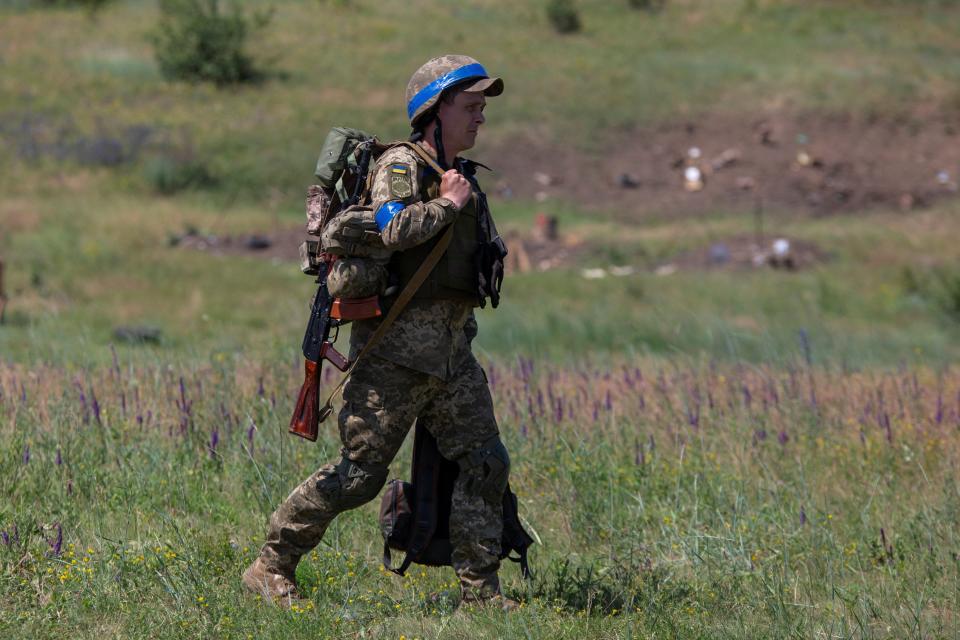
(783, 438)
(83, 402)
(938, 418)
(214, 440)
(26, 454)
(803, 516)
(5, 537)
(59, 457)
(95, 405)
(57, 543)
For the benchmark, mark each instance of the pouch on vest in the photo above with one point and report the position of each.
(415, 516)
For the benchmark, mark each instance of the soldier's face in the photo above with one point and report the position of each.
(461, 119)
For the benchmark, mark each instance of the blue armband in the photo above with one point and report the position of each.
(386, 212)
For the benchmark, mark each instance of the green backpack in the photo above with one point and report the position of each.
(338, 212)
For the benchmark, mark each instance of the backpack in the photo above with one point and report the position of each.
(415, 516)
(337, 213)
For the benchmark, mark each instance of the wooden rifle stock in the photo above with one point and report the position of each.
(306, 415)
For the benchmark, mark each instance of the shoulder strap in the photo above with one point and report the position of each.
(405, 296)
(420, 151)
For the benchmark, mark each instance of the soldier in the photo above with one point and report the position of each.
(423, 368)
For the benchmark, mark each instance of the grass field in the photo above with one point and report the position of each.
(671, 499)
(702, 451)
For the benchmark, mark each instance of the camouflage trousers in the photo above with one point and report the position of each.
(381, 402)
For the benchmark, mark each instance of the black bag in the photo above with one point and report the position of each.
(415, 516)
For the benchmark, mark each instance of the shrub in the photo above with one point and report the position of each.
(647, 5)
(168, 174)
(198, 42)
(939, 286)
(91, 5)
(947, 292)
(563, 16)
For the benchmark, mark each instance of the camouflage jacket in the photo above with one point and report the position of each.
(430, 335)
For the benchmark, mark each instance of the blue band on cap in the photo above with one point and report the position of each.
(475, 70)
(386, 212)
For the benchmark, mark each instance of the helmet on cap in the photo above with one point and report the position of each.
(438, 75)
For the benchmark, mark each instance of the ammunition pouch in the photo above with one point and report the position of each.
(355, 483)
(490, 257)
(351, 278)
(353, 232)
(487, 469)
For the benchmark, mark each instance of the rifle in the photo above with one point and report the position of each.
(327, 312)
(317, 346)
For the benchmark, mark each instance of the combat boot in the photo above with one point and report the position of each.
(496, 601)
(271, 584)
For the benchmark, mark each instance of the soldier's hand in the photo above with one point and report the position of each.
(455, 188)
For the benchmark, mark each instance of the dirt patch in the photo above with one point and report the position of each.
(527, 251)
(821, 164)
(283, 244)
(748, 252)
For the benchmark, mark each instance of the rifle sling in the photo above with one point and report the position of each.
(405, 296)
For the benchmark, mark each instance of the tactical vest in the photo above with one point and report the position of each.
(455, 276)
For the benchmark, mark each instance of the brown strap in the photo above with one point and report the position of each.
(405, 296)
(426, 157)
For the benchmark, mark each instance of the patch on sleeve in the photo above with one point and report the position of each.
(401, 181)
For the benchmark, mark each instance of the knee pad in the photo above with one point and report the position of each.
(354, 483)
(487, 469)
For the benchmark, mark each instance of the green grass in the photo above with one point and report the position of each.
(686, 499)
(688, 470)
(348, 65)
(85, 265)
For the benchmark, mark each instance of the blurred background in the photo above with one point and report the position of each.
(673, 176)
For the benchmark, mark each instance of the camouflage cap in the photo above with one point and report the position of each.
(439, 74)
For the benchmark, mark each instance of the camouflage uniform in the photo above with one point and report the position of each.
(423, 369)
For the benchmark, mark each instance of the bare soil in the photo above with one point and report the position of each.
(815, 163)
